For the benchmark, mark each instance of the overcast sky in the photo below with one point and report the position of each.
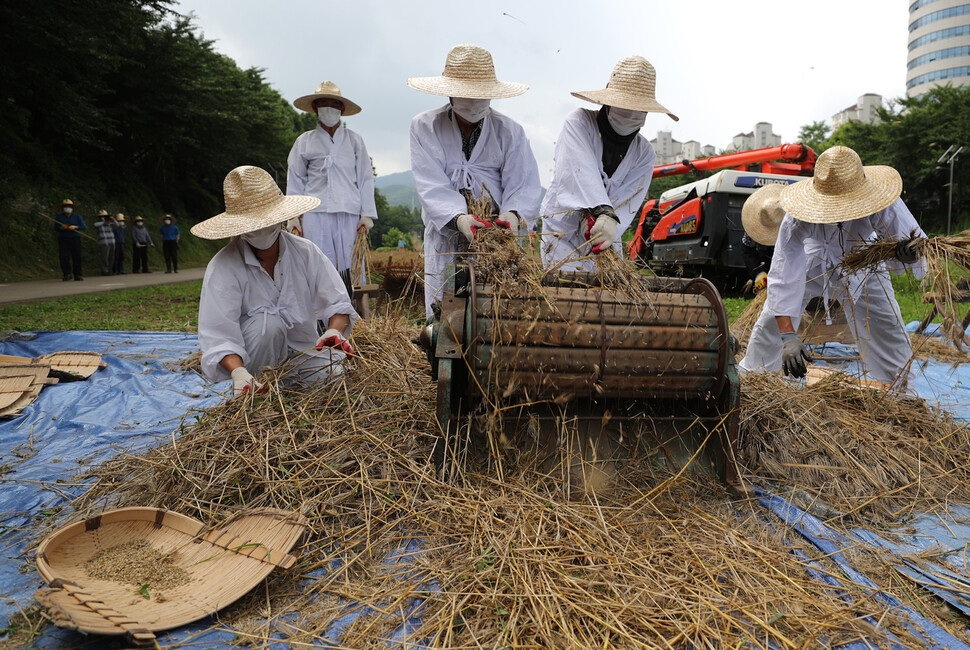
(722, 65)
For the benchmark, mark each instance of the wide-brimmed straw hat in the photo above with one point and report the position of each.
(103, 213)
(67, 203)
(633, 86)
(326, 90)
(253, 201)
(139, 218)
(842, 189)
(162, 218)
(120, 216)
(761, 214)
(469, 73)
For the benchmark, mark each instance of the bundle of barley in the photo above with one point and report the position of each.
(359, 255)
(656, 560)
(868, 454)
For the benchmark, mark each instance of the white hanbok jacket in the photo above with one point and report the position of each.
(579, 183)
(337, 171)
(502, 160)
(806, 251)
(306, 288)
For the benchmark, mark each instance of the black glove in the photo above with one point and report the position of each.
(906, 250)
(794, 355)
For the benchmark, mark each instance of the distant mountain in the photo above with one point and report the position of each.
(398, 188)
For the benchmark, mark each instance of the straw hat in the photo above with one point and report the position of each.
(842, 189)
(67, 203)
(633, 86)
(253, 201)
(138, 218)
(326, 90)
(120, 216)
(761, 214)
(162, 218)
(103, 213)
(470, 74)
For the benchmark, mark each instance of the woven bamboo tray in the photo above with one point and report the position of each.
(20, 384)
(69, 366)
(223, 564)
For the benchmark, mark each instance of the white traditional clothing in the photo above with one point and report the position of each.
(805, 265)
(237, 291)
(337, 170)
(502, 160)
(580, 183)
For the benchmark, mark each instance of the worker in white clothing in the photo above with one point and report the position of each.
(842, 206)
(331, 163)
(603, 168)
(460, 147)
(264, 292)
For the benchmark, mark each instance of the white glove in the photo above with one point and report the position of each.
(334, 339)
(603, 233)
(509, 220)
(366, 223)
(469, 224)
(243, 381)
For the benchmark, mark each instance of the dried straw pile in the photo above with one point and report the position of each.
(944, 256)
(656, 561)
(743, 324)
(870, 455)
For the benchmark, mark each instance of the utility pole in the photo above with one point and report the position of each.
(949, 157)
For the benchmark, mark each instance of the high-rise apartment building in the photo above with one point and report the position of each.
(939, 45)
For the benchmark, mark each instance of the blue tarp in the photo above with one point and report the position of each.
(136, 399)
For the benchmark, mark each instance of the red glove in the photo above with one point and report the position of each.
(510, 221)
(334, 339)
(469, 225)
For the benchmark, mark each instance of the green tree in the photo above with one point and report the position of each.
(814, 135)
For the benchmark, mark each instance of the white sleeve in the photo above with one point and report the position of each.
(789, 268)
(328, 292)
(628, 198)
(521, 189)
(578, 178)
(897, 222)
(365, 180)
(439, 200)
(220, 313)
(296, 170)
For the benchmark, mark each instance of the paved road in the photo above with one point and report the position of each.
(16, 292)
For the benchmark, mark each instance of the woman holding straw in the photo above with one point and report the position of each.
(466, 153)
(331, 163)
(842, 206)
(264, 292)
(603, 168)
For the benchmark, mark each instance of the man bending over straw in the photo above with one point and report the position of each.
(264, 292)
(842, 206)
(603, 168)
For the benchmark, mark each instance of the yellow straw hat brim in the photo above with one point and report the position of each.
(229, 224)
(305, 103)
(880, 189)
(762, 214)
(449, 87)
(620, 99)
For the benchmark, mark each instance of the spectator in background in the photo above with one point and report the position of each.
(68, 225)
(141, 239)
(119, 229)
(603, 168)
(463, 149)
(331, 163)
(106, 241)
(761, 217)
(170, 243)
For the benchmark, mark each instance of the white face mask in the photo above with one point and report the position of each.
(328, 115)
(625, 122)
(68, 210)
(263, 238)
(473, 110)
(167, 222)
